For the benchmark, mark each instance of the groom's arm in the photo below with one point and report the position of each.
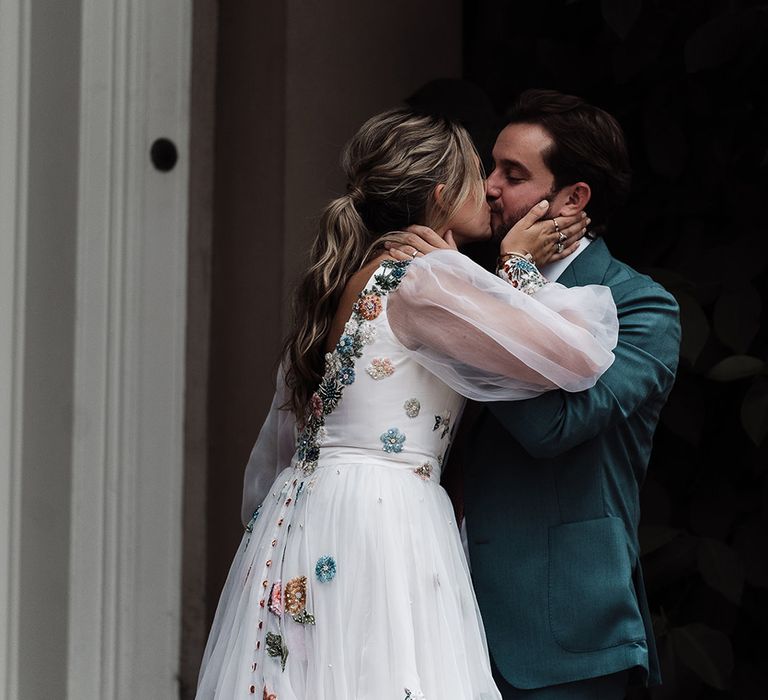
(646, 360)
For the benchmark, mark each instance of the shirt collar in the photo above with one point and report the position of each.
(552, 271)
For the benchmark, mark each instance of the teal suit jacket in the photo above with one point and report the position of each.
(552, 501)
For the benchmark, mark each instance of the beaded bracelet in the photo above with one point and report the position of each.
(521, 273)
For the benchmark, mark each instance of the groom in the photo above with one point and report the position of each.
(552, 484)
(551, 489)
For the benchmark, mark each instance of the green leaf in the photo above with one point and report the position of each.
(721, 568)
(754, 411)
(707, 652)
(736, 367)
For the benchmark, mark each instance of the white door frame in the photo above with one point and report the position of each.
(129, 353)
(14, 120)
(122, 624)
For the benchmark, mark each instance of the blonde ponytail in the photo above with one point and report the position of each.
(393, 165)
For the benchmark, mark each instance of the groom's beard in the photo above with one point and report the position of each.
(501, 228)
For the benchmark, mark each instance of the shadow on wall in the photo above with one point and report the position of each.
(687, 82)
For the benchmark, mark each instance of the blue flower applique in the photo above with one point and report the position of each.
(393, 440)
(347, 376)
(325, 569)
(346, 345)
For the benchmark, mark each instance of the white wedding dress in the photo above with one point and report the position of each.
(350, 582)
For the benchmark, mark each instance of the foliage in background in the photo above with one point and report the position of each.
(688, 80)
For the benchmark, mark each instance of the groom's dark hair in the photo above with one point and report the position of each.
(589, 147)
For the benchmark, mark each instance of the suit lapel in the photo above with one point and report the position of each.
(589, 268)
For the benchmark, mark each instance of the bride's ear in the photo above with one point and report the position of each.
(437, 195)
(577, 197)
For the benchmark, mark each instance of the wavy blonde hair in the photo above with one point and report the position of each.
(393, 165)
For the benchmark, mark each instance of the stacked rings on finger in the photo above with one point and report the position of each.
(560, 245)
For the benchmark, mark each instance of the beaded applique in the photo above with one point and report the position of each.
(275, 648)
(443, 421)
(275, 604)
(413, 695)
(295, 596)
(304, 618)
(339, 364)
(412, 408)
(424, 471)
(380, 368)
(392, 440)
(325, 569)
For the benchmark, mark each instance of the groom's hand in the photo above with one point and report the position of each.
(416, 241)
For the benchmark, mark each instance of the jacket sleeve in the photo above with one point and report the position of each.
(645, 365)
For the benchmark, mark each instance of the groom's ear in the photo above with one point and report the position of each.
(576, 198)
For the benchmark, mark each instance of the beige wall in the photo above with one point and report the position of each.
(346, 61)
(293, 82)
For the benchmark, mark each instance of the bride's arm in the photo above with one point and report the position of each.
(489, 341)
(272, 452)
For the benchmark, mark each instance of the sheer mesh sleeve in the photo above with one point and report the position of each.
(272, 452)
(489, 341)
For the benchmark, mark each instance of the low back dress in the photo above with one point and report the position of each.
(350, 582)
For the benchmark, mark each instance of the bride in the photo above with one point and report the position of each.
(350, 582)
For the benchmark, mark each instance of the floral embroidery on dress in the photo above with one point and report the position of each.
(269, 696)
(444, 421)
(424, 471)
(275, 604)
(380, 368)
(325, 569)
(275, 648)
(394, 272)
(368, 306)
(414, 695)
(332, 364)
(367, 332)
(249, 526)
(392, 441)
(412, 408)
(339, 364)
(304, 618)
(347, 376)
(295, 595)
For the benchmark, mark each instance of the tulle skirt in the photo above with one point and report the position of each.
(349, 584)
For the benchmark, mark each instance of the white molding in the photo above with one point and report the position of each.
(14, 139)
(129, 353)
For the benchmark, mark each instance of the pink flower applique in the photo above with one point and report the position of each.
(380, 368)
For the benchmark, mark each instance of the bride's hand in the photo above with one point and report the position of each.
(540, 237)
(416, 241)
